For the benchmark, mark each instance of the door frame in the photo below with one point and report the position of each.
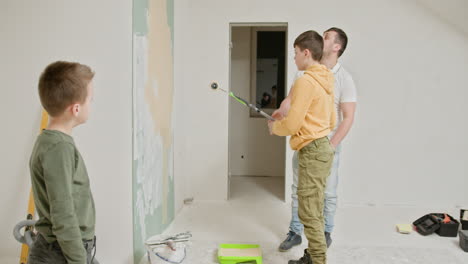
(274, 26)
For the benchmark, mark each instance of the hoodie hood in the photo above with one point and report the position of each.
(322, 75)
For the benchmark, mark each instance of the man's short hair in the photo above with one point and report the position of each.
(341, 38)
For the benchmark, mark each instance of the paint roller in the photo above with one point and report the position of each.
(215, 86)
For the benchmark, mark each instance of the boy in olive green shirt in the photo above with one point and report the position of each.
(59, 178)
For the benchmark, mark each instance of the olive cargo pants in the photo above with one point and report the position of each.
(315, 161)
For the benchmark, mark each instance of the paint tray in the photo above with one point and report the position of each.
(239, 254)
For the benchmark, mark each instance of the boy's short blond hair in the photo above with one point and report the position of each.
(62, 84)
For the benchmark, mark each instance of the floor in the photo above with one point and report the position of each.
(256, 214)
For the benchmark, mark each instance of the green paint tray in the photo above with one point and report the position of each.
(239, 253)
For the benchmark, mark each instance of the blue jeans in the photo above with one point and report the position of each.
(331, 196)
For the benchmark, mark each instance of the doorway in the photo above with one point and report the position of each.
(258, 58)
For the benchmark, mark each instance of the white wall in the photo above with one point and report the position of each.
(263, 155)
(181, 185)
(97, 33)
(409, 140)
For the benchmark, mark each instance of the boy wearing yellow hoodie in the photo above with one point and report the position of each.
(310, 119)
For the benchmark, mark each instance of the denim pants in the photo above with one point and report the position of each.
(331, 196)
(41, 252)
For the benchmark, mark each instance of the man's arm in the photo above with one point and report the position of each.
(348, 110)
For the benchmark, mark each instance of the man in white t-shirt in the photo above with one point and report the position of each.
(335, 42)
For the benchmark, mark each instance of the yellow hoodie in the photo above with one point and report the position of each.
(312, 113)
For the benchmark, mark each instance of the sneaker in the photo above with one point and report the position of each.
(292, 240)
(304, 260)
(328, 239)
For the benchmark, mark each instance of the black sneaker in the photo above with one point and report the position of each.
(292, 240)
(304, 260)
(328, 239)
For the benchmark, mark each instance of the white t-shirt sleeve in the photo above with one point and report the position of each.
(298, 75)
(348, 93)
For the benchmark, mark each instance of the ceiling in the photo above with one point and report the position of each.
(453, 12)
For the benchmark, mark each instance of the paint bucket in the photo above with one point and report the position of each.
(169, 250)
